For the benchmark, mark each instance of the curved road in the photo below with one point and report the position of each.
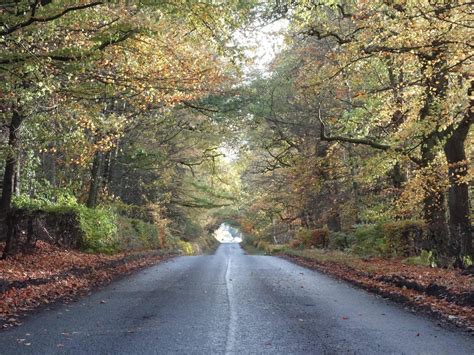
(227, 303)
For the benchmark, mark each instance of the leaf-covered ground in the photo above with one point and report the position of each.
(49, 274)
(446, 294)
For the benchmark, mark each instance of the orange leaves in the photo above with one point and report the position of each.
(163, 69)
(444, 292)
(50, 273)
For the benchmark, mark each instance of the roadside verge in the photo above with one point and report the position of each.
(50, 274)
(447, 295)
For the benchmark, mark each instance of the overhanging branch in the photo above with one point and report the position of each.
(363, 141)
(32, 19)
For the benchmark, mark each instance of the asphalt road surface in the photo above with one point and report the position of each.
(230, 302)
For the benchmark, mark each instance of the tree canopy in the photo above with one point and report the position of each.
(152, 108)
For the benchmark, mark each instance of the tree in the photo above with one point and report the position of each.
(419, 54)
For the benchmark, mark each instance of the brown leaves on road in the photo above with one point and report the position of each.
(446, 294)
(48, 274)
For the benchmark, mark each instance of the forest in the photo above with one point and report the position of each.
(137, 125)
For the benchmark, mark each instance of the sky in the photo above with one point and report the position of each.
(262, 44)
(227, 234)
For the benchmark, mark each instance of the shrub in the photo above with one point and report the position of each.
(340, 241)
(137, 234)
(370, 241)
(425, 258)
(305, 236)
(404, 238)
(62, 200)
(263, 245)
(132, 211)
(276, 248)
(296, 244)
(320, 238)
(99, 226)
(249, 240)
(185, 247)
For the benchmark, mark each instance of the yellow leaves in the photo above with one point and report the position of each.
(164, 70)
(86, 123)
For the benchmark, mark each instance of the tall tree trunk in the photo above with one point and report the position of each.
(113, 162)
(48, 163)
(96, 178)
(434, 210)
(355, 188)
(7, 223)
(106, 164)
(17, 178)
(10, 163)
(397, 176)
(460, 228)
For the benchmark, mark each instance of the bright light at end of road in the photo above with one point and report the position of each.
(227, 234)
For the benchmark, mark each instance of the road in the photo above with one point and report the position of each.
(230, 302)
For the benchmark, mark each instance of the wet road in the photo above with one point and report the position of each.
(230, 302)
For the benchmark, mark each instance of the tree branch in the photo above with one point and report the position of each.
(32, 19)
(70, 58)
(363, 141)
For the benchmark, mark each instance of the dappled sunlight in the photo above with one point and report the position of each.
(228, 234)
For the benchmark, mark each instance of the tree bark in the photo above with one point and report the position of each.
(48, 163)
(96, 178)
(9, 181)
(397, 176)
(10, 163)
(434, 210)
(17, 178)
(460, 228)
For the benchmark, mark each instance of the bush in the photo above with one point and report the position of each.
(404, 238)
(263, 245)
(137, 234)
(425, 259)
(340, 241)
(99, 226)
(370, 241)
(132, 211)
(305, 236)
(62, 201)
(185, 247)
(249, 240)
(205, 243)
(296, 244)
(276, 248)
(320, 238)
(391, 239)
